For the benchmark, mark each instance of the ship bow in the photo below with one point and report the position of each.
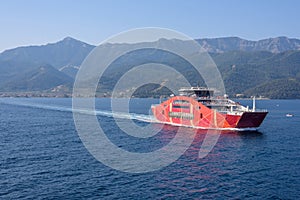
(251, 119)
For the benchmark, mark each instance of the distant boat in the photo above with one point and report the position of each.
(289, 115)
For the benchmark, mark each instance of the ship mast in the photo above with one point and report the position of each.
(253, 107)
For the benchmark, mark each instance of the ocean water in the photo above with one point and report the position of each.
(42, 156)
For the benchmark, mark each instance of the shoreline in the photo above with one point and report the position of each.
(69, 96)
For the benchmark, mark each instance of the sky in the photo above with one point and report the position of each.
(37, 22)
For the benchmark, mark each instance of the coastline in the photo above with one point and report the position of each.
(39, 94)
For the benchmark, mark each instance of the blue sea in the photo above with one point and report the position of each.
(43, 157)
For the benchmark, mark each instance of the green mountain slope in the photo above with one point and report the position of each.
(247, 72)
(277, 89)
(37, 79)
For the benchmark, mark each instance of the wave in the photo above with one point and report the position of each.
(119, 115)
(105, 113)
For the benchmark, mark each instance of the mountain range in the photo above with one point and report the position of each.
(269, 67)
(274, 45)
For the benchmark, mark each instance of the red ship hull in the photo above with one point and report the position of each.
(185, 111)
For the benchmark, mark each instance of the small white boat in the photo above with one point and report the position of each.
(289, 115)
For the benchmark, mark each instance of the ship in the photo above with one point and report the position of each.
(197, 107)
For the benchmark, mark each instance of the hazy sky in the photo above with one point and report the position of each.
(35, 22)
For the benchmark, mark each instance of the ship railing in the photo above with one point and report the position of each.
(195, 88)
(260, 110)
(235, 112)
